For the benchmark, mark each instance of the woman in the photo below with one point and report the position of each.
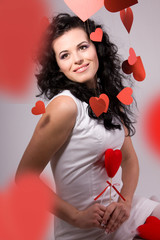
(74, 140)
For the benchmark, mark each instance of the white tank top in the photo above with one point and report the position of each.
(79, 169)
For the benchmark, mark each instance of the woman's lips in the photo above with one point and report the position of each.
(82, 69)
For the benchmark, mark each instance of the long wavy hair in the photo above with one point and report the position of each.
(110, 77)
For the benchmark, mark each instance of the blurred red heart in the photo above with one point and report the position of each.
(20, 30)
(125, 96)
(137, 69)
(97, 35)
(150, 123)
(117, 5)
(127, 18)
(99, 105)
(113, 159)
(24, 209)
(39, 108)
(151, 229)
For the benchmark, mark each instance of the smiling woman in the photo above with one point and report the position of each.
(79, 62)
(74, 140)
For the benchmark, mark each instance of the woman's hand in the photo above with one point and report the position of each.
(116, 213)
(91, 216)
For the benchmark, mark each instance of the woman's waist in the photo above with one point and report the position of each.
(82, 191)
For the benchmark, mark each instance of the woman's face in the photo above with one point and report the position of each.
(76, 56)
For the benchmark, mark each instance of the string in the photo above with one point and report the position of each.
(110, 191)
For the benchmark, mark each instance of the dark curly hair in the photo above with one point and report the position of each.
(51, 81)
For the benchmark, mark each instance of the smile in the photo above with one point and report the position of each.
(82, 69)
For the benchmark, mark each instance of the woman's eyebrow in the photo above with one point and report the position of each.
(81, 43)
(77, 46)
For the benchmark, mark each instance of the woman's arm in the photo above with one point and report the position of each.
(51, 132)
(117, 213)
(130, 170)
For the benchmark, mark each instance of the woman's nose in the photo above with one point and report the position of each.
(78, 59)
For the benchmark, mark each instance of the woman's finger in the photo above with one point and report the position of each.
(109, 210)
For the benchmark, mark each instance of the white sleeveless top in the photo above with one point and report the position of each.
(79, 169)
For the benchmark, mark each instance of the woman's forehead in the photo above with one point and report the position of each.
(70, 38)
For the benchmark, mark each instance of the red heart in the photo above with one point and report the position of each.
(25, 209)
(151, 229)
(117, 5)
(39, 108)
(132, 57)
(150, 123)
(99, 105)
(113, 159)
(137, 69)
(84, 9)
(97, 35)
(17, 45)
(125, 96)
(127, 18)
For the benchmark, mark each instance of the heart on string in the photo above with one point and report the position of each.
(137, 69)
(125, 96)
(99, 105)
(113, 159)
(132, 57)
(39, 108)
(84, 9)
(126, 16)
(23, 19)
(117, 5)
(25, 209)
(151, 229)
(97, 35)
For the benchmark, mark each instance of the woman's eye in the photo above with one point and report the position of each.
(64, 56)
(83, 47)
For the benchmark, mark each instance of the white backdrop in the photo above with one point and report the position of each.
(18, 123)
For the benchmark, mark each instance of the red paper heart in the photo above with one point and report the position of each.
(39, 108)
(23, 19)
(132, 57)
(151, 229)
(117, 5)
(97, 35)
(137, 69)
(125, 96)
(25, 209)
(113, 159)
(127, 18)
(84, 9)
(99, 105)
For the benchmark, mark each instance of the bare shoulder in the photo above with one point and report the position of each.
(62, 103)
(60, 112)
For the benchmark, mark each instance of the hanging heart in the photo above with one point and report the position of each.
(117, 5)
(99, 105)
(97, 35)
(125, 96)
(84, 9)
(132, 57)
(126, 16)
(39, 108)
(113, 159)
(137, 69)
